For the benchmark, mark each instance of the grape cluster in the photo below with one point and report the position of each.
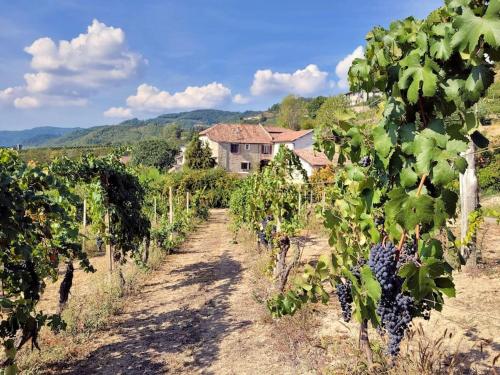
(395, 311)
(344, 295)
(262, 234)
(365, 161)
(344, 290)
(382, 262)
(408, 254)
(395, 308)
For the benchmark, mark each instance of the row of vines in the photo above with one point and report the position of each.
(393, 196)
(42, 209)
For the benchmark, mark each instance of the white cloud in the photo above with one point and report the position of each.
(302, 82)
(241, 99)
(150, 98)
(118, 112)
(9, 94)
(342, 68)
(67, 72)
(26, 102)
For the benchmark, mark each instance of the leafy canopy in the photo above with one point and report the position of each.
(428, 70)
(155, 153)
(198, 155)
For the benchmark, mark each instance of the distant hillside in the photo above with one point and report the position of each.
(32, 137)
(127, 132)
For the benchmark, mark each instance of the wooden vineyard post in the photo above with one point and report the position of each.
(311, 196)
(187, 201)
(154, 211)
(170, 208)
(84, 223)
(468, 203)
(170, 205)
(323, 199)
(364, 342)
(300, 200)
(109, 252)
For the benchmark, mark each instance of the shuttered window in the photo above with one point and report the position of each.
(235, 148)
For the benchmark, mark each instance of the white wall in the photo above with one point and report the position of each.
(276, 147)
(214, 146)
(303, 142)
(308, 167)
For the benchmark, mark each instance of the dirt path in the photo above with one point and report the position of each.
(195, 315)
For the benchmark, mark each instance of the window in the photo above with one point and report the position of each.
(266, 149)
(245, 166)
(247, 147)
(235, 148)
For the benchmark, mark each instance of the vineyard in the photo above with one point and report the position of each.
(371, 266)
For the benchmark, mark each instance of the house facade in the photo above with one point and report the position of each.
(239, 148)
(243, 148)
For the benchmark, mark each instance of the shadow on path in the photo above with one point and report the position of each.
(147, 338)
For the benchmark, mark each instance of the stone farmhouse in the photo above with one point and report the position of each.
(242, 148)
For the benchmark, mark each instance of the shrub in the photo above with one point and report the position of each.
(488, 176)
(213, 185)
(155, 153)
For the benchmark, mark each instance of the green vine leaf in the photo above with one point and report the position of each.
(371, 285)
(416, 76)
(383, 144)
(446, 286)
(452, 89)
(408, 177)
(479, 79)
(471, 28)
(416, 210)
(441, 49)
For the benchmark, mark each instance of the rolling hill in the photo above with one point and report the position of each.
(127, 132)
(32, 137)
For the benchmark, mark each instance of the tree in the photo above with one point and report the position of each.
(275, 108)
(291, 113)
(314, 105)
(332, 109)
(155, 153)
(198, 155)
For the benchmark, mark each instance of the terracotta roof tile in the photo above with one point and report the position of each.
(315, 158)
(290, 135)
(275, 129)
(237, 133)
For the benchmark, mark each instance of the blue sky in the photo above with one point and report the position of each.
(84, 63)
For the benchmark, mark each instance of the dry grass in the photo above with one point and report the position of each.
(88, 311)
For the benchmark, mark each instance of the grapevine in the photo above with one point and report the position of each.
(267, 202)
(37, 231)
(118, 191)
(392, 197)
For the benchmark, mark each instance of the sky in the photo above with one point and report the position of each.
(91, 62)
